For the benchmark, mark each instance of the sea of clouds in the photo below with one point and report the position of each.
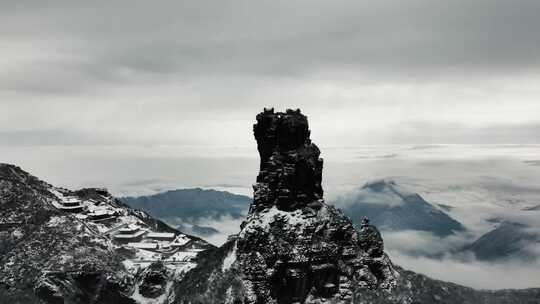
(479, 183)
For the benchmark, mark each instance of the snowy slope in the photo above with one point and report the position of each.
(82, 246)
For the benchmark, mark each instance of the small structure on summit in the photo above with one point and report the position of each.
(142, 245)
(129, 229)
(71, 204)
(161, 236)
(100, 215)
(130, 234)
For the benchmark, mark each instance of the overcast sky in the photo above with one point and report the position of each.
(196, 72)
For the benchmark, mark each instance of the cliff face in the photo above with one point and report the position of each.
(291, 170)
(292, 247)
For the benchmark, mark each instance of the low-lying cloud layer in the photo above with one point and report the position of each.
(483, 275)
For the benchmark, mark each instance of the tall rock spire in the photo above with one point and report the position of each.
(292, 247)
(290, 169)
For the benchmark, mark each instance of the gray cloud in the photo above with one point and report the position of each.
(287, 38)
(109, 72)
(431, 132)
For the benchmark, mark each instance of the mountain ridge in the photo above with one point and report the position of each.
(62, 246)
(508, 240)
(191, 203)
(392, 208)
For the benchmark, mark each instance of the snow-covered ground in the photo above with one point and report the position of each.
(116, 223)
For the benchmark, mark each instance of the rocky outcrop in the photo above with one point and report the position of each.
(153, 281)
(290, 170)
(292, 247)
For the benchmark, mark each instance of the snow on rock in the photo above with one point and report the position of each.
(55, 221)
(229, 259)
(17, 233)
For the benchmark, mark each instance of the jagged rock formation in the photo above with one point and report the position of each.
(292, 247)
(153, 281)
(290, 170)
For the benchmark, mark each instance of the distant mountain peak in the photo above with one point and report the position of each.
(392, 207)
(508, 240)
(379, 184)
(532, 208)
(191, 206)
(389, 186)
